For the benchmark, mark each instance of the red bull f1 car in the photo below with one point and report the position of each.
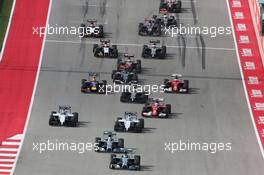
(92, 85)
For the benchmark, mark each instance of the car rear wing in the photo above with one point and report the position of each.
(105, 40)
(109, 133)
(176, 75)
(129, 56)
(154, 41)
(131, 113)
(155, 99)
(96, 74)
(92, 20)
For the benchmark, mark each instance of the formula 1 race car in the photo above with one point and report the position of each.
(109, 143)
(105, 49)
(125, 161)
(134, 97)
(129, 64)
(92, 29)
(64, 117)
(151, 27)
(92, 85)
(156, 108)
(176, 85)
(170, 6)
(166, 20)
(124, 77)
(154, 50)
(129, 123)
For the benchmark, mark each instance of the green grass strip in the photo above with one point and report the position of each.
(5, 10)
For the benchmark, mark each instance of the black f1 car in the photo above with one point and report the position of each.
(176, 85)
(124, 77)
(129, 64)
(151, 27)
(156, 108)
(109, 143)
(93, 85)
(134, 97)
(170, 6)
(125, 161)
(129, 123)
(166, 20)
(64, 117)
(92, 29)
(105, 49)
(154, 50)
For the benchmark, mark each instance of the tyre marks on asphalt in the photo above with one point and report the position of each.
(181, 42)
(199, 37)
(85, 8)
(102, 8)
(201, 49)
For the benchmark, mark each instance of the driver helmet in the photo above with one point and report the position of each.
(94, 77)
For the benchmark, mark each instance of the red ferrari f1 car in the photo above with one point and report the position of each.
(156, 108)
(176, 85)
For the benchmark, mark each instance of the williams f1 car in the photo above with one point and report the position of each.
(124, 77)
(176, 85)
(129, 123)
(129, 64)
(170, 6)
(156, 108)
(109, 143)
(92, 29)
(105, 49)
(125, 161)
(64, 117)
(154, 50)
(92, 85)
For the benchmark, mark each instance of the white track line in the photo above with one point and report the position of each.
(137, 45)
(8, 149)
(10, 143)
(8, 155)
(33, 94)
(7, 30)
(7, 160)
(243, 80)
(6, 171)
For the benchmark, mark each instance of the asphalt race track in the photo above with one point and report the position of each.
(214, 111)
